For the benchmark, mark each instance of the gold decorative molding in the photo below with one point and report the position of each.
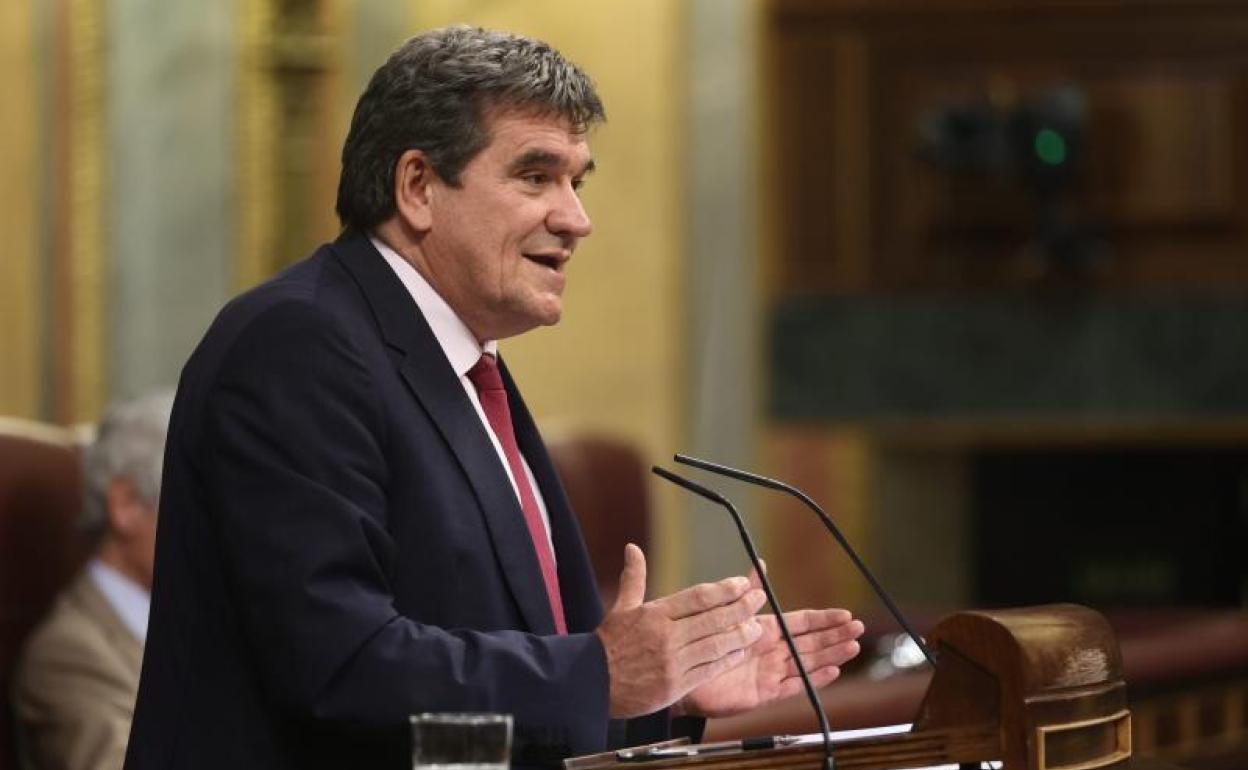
(80, 271)
(20, 326)
(290, 72)
(257, 140)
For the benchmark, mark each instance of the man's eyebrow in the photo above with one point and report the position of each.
(545, 158)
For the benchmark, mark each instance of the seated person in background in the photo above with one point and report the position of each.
(76, 682)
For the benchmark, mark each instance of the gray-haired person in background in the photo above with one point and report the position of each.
(76, 682)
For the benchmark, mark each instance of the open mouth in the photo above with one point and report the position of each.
(548, 260)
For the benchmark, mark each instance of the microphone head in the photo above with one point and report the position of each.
(692, 486)
(734, 473)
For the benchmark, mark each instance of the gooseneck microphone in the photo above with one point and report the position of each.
(701, 491)
(763, 481)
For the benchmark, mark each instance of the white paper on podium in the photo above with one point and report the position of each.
(849, 736)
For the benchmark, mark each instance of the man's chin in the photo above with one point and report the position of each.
(548, 312)
(553, 318)
(530, 322)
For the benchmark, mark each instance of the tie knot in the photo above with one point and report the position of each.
(484, 374)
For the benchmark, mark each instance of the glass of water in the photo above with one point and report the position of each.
(461, 741)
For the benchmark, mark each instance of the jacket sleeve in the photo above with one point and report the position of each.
(72, 709)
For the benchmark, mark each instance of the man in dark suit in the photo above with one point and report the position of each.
(359, 519)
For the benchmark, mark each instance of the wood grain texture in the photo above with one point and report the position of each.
(1165, 185)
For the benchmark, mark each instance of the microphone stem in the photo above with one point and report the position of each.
(763, 481)
(875, 584)
(824, 727)
(697, 489)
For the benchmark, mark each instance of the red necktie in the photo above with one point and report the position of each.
(489, 384)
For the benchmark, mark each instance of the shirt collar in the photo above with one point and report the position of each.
(129, 600)
(457, 340)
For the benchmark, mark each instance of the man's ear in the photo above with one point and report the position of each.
(413, 189)
(125, 506)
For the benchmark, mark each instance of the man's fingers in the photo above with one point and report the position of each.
(705, 672)
(813, 640)
(727, 642)
(704, 596)
(832, 657)
(694, 627)
(810, 629)
(755, 582)
(632, 579)
(827, 648)
(821, 677)
(805, 621)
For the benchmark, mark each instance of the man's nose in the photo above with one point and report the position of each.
(568, 216)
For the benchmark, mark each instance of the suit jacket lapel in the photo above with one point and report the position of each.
(428, 374)
(581, 604)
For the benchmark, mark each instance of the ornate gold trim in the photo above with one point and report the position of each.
(257, 144)
(20, 320)
(86, 228)
(286, 160)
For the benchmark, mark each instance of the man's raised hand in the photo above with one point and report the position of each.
(825, 639)
(660, 650)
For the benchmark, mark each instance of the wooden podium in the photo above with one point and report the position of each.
(1039, 688)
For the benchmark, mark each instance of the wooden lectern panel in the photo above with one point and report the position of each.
(1049, 677)
(1038, 688)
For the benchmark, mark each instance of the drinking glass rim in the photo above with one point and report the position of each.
(459, 717)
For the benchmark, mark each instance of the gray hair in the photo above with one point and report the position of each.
(129, 443)
(433, 94)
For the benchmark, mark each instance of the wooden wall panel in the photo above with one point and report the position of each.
(836, 468)
(1166, 182)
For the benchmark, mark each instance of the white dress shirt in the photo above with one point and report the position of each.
(129, 600)
(462, 351)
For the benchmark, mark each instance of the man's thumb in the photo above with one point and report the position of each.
(632, 579)
(755, 581)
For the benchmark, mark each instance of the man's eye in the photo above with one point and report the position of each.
(577, 184)
(535, 178)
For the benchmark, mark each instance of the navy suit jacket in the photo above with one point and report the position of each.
(339, 546)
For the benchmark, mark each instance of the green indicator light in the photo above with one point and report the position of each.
(1050, 147)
